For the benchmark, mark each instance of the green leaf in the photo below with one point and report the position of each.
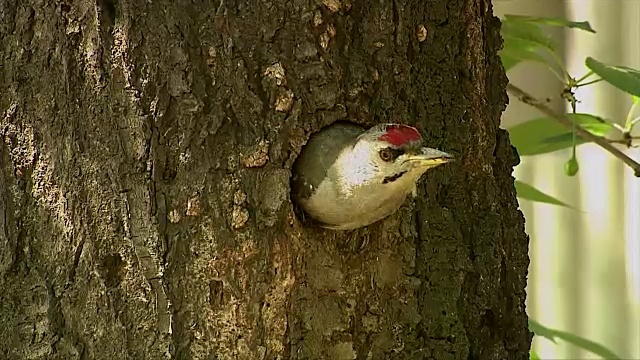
(579, 341)
(528, 192)
(542, 331)
(544, 135)
(582, 25)
(622, 77)
(633, 116)
(516, 50)
(513, 29)
(524, 41)
(533, 355)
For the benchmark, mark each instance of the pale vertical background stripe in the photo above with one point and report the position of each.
(585, 265)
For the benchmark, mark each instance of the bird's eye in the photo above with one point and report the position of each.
(385, 155)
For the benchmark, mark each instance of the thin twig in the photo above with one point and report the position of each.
(588, 83)
(628, 142)
(564, 120)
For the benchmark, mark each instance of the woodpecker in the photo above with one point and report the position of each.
(346, 178)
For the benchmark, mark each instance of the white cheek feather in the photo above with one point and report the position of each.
(355, 168)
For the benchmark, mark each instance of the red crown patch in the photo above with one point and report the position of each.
(398, 135)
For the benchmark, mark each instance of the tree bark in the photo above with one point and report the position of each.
(145, 158)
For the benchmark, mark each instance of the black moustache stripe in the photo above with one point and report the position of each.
(392, 178)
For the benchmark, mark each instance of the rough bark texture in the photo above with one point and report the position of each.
(145, 153)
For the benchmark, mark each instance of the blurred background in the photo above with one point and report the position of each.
(584, 276)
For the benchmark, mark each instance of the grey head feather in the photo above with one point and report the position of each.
(318, 155)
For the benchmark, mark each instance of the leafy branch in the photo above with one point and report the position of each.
(525, 40)
(566, 121)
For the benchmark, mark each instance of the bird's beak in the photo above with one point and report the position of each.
(430, 157)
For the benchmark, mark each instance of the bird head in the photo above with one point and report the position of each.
(387, 153)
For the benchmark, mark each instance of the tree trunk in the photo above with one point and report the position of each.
(146, 151)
